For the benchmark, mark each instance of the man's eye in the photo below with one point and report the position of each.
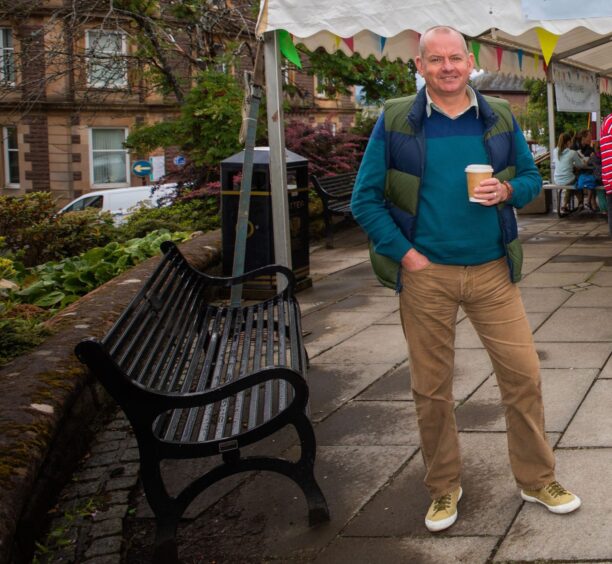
(435, 60)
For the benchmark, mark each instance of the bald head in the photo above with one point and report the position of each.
(439, 30)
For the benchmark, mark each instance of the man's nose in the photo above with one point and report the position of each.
(447, 64)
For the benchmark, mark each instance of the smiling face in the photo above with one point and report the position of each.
(444, 63)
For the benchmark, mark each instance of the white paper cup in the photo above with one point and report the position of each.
(475, 174)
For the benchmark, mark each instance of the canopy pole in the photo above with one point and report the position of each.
(551, 119)
(278, 165)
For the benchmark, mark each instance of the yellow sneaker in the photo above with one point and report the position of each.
(443, 511)
(554, 497)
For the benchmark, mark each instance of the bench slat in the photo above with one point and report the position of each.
(142, 363)
(246, 352)
(232, 366)
(282, 353)
(269, 361)
(254, 403)
(217, 373)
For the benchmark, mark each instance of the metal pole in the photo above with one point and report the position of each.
(551, 119)
(278, 166)
(242, 220)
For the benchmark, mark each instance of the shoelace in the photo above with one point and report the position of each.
(442, 503)
(555, 489)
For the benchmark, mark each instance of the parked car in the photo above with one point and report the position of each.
(120, 202)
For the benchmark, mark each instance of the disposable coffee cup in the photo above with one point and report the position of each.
(476, 173)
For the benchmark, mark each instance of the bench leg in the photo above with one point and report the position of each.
(318, 511)
(166, 551)
(329, 234)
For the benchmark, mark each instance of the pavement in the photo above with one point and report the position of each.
(368, 460)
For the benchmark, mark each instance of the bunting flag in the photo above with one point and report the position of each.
(476, 50)
(606, 83)
(349, 42)
(500, 54)
(536, 62)
(287, 48)
(383, 40)
(544, 66)
(337, 41)
(548, 42)
(519, 54)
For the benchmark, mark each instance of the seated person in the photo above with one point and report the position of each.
(567, 160)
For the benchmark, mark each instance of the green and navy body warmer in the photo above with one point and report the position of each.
(411, 189)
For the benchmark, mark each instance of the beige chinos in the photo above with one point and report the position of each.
(429, 302)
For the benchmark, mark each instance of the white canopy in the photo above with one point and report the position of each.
(391, 28)
(506, 36)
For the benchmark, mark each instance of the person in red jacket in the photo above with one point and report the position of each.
(605, 146)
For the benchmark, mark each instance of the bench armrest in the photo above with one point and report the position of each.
(133, 395)
(330, 195)
(169, 248)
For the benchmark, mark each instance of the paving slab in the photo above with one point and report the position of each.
(591, 266)
(533, 263)
(324, 266)
(489, 504)
(375, 344)
(393, 319)
(552, 279)
(607, 370)
(542, 250)
(450, 550)
(562, 390)
(589, 251)
(382, 423)
(278, 521)
(592, 296)
(584, 535)
(393, 386)
(544, 300)
(328, 327)
(365, 302)
(603, 278)
(572, 355)
(592, 424)
(573, 324)
(334, 385)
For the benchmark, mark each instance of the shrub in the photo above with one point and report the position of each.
(34, 233)
(327, 153)
(194, 214)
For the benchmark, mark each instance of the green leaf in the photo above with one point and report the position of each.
(51, 299)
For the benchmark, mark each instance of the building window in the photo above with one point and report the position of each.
(320, 87)
(11, 156)
(107, 52)
(109, 158)
(7, 56)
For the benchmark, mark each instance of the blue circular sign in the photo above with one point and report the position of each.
(142, 168)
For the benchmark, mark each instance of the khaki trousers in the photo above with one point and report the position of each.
(429, 302)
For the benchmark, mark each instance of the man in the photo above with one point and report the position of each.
(440, 251)
(605, 147)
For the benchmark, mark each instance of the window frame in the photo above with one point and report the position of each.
(116, 85)
(7, 53)
(5, 158)
(91, 151)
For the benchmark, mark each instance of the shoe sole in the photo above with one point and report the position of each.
(559, 509)
(436, 526)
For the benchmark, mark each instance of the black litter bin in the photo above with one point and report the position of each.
(260, 237)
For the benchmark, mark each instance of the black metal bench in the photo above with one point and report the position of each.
(335, 193)
(197, 380)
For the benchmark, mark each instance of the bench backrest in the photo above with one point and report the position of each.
(339, 186)
(171, 338)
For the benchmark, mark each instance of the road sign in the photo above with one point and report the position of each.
(142, 168)
(179, 160)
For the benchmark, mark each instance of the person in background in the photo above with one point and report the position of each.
(442, 251)
(567, 160)
(605, 143)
